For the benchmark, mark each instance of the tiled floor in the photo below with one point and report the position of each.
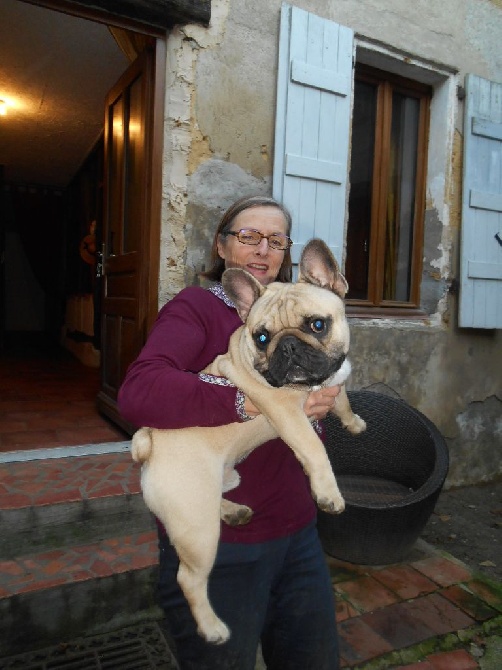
(428, 613)
(47, 399)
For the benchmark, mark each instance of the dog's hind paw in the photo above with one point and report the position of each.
(216, 633)
(234, 514)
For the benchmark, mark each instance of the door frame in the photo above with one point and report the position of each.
(117, 16)
(157, 16)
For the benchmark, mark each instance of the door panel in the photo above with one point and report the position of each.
(126, 227)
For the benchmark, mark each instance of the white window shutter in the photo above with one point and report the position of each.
(480, 303)
(314, 102)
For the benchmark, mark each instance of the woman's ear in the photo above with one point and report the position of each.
(220, 246)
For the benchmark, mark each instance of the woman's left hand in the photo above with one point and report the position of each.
(320, 402)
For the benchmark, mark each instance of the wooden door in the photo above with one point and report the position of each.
(127, 258)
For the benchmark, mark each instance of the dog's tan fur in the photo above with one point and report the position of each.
(185, 471)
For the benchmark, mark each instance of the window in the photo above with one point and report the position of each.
(387, 190)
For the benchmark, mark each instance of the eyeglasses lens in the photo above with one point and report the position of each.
(279, 242)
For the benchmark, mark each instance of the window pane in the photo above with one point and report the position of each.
(401, 198)
(361, 178)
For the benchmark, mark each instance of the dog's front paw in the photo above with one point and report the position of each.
(331, 505)
(215, 633)
(234, 514)
(356, 425)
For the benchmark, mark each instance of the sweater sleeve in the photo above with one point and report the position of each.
(162, 388)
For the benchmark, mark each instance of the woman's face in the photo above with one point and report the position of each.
(261, 261)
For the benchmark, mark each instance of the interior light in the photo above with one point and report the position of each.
(3, 108)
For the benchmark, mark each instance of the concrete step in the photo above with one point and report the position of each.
(54, 596)
(49, 503)
(78, 553)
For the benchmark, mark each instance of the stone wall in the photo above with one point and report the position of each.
(219, 144)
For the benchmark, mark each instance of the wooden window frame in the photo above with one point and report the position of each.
(387, 84)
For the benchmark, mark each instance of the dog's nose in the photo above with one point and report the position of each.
(288, 346)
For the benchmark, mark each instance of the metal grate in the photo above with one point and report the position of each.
(140, 647)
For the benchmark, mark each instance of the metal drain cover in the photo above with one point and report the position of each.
(140, 647)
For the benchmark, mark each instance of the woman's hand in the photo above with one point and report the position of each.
(317, 405)
(320, 402)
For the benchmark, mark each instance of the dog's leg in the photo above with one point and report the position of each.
(196, 562)
(194, 531)
(342, 409)
(298, 433)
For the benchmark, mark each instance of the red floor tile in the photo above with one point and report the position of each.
(469, 603)
(488, 593)
(48, 400)
(438, 614)
(422, 665)
(359, 643)
(344, 610)
(366, 594)
(442, 571)
(405, 581)
(452, 660)
(398, 626)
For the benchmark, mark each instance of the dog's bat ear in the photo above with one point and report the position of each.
(242, 289)
(318, 266)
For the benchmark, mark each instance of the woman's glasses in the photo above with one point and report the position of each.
(254, 237)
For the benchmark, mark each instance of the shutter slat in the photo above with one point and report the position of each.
(317, 77)
(485, 270)
(299, 166)
(490, 201)
(484, 128)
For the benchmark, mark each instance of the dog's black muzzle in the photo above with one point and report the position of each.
(296, 362)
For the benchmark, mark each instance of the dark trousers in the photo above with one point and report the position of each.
(276, 592)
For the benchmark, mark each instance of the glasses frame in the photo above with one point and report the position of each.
(237, 233)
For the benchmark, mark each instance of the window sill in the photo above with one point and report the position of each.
(358, 312)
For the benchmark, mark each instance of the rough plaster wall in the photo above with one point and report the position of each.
(219, 130)
(433, 284)
(218, 137)
(211, 189)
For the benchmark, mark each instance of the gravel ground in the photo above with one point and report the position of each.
(467, 523)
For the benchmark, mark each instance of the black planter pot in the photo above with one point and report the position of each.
(390, 476)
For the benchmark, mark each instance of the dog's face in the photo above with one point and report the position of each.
(293, 333)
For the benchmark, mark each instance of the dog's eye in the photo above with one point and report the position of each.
(261, 338)
(318, 325)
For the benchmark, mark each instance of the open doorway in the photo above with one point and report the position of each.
(51, 209)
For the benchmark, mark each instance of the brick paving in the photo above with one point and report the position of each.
(431, 606)
(78, 563)
(50, 481)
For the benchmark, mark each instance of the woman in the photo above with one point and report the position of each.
(270, 583)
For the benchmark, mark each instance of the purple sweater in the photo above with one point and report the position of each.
(163, 390)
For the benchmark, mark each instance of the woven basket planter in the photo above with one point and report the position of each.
(390, 476)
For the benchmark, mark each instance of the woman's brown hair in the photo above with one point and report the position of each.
(248, 201)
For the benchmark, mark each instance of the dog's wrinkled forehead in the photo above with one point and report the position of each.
(286, 306)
